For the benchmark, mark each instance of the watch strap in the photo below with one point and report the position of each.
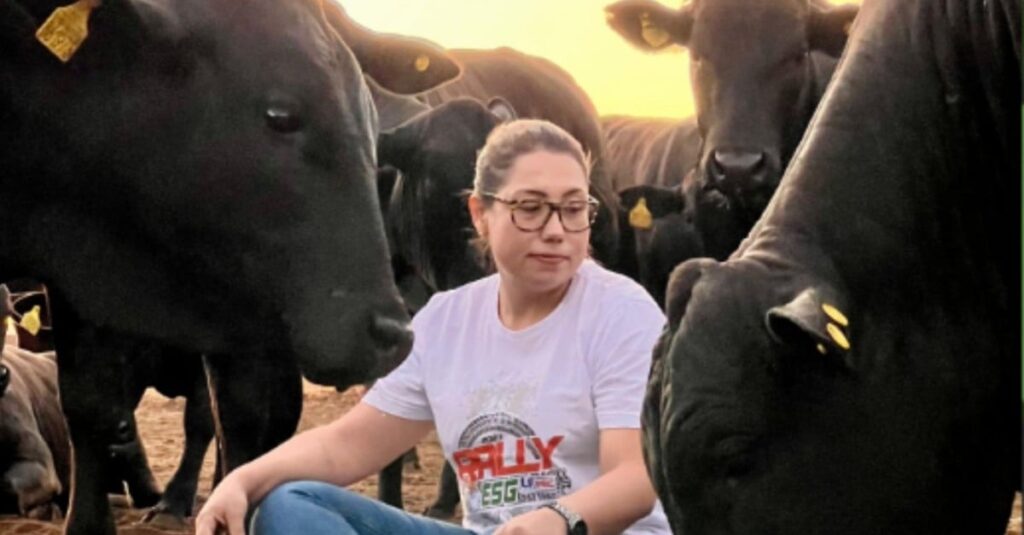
(573, 521)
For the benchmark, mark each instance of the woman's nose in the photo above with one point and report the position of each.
(553, 229)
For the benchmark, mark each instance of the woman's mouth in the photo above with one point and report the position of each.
(548, 258)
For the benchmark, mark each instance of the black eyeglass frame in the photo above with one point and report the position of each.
(513, 204)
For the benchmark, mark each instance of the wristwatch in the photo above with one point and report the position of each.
(575, 522)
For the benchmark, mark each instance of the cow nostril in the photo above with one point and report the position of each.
(390, 333)
(5, 379)
(124, 431)
(737, 163)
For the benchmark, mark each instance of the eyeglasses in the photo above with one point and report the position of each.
(531, 215)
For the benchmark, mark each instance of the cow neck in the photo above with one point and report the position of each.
(877, 190)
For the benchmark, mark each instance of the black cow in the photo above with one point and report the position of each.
(435, 155)
(854, 367)
(538, 89)
(35, 453)
(758, 69)
(201, 173)
(651, 151)
(649, 161)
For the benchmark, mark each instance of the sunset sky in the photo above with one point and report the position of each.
(572, 33)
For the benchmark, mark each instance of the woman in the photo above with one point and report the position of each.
(533, 377)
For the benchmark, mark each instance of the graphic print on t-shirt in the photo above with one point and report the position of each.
(503, 464)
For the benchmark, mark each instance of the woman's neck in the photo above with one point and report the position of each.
(519, 308)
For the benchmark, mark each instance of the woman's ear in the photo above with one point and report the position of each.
(476, 213)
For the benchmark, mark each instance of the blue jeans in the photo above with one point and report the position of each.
(314, 508)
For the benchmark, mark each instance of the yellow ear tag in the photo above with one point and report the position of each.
(422, 63)
(654, 35)
(30, 322)
(66, 28)
(822, 350)
(837, 335)
(834, 313)
(640, 216)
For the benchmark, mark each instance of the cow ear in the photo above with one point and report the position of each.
(649, 25)
(680, 288)
(117, 29)
(659, 201)
(401, 64)
(810, 323)
(397, 146)
(829, 27)
(502, 109)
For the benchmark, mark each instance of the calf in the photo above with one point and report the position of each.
(35, 452)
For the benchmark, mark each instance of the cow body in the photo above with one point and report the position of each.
(855, 364)
(201, 175)
(648, 151)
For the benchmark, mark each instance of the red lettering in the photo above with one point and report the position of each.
(520, 467)
(546, 451)
(471, 464)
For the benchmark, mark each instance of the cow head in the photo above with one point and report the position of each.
(707, 434)
(208, 167)
(435, 154)
(662, 233)
(758, 69)
(763, 399)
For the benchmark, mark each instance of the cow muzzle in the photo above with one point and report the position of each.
(746, 177)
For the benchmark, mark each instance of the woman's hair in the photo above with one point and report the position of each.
(506, 143)
(515, 138)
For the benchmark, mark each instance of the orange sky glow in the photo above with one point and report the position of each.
(619, 78)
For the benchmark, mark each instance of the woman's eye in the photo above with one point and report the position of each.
(574, 208)
(528, 206)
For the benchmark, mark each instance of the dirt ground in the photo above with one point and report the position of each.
(159, 422)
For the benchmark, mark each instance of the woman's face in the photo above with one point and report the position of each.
(545, 259)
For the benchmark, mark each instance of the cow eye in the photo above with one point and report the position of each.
(283, 117)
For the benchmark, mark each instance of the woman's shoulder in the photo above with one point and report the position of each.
(458, 299)
(605, 288)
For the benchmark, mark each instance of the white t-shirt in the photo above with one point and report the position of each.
(518, 412)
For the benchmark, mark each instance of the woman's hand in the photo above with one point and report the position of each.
(226, 508)
(542, 521)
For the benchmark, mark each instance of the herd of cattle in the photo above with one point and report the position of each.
(224, 196)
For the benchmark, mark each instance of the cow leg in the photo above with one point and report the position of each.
(180, 493)
(389, 483)
(248, 421)
(130, 462)
(284, 408)
(94, 406)
(447, 495)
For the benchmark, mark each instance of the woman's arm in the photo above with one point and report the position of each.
(611, 503)
(357, 444)
(623, 493)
